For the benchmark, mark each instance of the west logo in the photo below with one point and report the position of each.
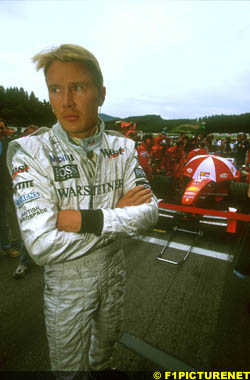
(62, 173)
(19, 169)
(61, 157)
(23, 185)
(111, 153)
(88, 190)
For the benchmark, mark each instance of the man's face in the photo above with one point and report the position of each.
(2, 129)
(148, 144)
(74, 97)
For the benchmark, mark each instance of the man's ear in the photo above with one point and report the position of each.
(102, 96)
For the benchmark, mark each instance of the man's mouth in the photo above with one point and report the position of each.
(71, 117)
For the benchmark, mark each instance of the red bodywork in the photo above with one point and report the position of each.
(188, 213)
(194, 190)
(187, 209)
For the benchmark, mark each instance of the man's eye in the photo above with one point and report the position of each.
(77, 87)
(55, 90)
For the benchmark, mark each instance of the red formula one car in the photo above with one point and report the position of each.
(208, 193)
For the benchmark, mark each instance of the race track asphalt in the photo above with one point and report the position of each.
(191, 316)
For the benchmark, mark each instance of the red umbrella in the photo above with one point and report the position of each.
(196, 152)
(208, 166)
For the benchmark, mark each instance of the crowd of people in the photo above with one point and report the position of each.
(167, 156)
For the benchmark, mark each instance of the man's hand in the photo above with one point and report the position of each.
(69, 220)
(135, 197)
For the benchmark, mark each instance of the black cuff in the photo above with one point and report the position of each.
(92, 221)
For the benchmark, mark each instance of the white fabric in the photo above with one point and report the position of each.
(50, 173)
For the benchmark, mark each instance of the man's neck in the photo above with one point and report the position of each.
(84, 135)
(81, 136)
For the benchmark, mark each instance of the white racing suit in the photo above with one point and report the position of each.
(84, 272)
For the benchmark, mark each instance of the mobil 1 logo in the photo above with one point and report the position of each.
(62, 173)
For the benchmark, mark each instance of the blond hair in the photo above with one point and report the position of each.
(70, 53)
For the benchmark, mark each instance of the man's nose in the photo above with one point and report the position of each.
(67, 100)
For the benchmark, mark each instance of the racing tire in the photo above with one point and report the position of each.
(162, 186)
(238, 192)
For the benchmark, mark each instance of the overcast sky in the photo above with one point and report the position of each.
(176, 59)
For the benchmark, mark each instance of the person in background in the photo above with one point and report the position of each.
(25, 260)
(145, 154)
(6, 201)
(240, 150)
(213, 142)
(29, 130)
(225, 148)
(79, 191)
(159, 157)
(218, 144)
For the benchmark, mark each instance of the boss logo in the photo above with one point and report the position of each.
(62, 173)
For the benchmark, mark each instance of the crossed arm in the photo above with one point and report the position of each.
(71, 220)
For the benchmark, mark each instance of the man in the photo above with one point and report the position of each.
(78, 190)
(145, 154)
(24, 261)
(7, 209)
(240, 150)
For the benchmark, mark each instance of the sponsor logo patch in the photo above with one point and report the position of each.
(204, 174)
(27, 198)
(23, 185)
(61, 157)
(19, 169)
(139, 173)
(223, 175)
(111, 153)
(31, 213)
(190, 193)
(192, 188)
(88, 190)
(62, 173)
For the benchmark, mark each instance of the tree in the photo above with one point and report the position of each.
(21, 109)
